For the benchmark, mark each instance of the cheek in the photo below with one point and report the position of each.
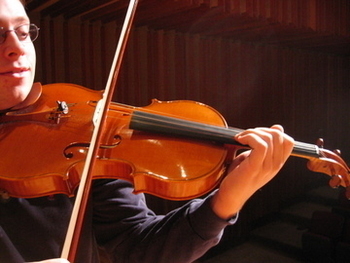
(32, 61)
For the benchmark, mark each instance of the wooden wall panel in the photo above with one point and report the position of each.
(319, 15)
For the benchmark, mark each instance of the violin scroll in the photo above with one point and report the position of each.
(331, 163)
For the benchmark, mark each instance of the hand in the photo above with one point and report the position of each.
(54, 260)
(252, 169)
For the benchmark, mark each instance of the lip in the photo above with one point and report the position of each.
(15, 72)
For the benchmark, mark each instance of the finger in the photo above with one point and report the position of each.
(282, 145)
(254, 138)
(278, 127)
(239, 159)
(286, 140)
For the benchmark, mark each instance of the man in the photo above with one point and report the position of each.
(34, 229)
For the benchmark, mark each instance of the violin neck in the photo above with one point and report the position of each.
(150, 122)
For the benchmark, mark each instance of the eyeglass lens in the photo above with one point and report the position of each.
(23, 32)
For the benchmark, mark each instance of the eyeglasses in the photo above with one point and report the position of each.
(22, 32)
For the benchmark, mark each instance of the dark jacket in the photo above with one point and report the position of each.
(117, 219)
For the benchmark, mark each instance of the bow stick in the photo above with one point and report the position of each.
(77, 217)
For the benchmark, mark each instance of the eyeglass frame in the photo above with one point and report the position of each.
(30, 27)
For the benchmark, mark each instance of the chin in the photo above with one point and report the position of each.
(14, 97)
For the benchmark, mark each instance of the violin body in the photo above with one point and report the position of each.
(49, 143)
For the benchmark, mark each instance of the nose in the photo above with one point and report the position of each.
(12, 46)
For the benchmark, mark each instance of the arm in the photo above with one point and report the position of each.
(133, 233)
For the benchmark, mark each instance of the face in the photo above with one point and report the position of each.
(17, 58)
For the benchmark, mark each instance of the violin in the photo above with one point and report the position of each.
(52, 142)
(172, 149)
(89, 137)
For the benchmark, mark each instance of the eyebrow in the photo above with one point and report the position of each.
(17, 20)
(21, 19)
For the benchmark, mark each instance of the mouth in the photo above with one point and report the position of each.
(16, 72)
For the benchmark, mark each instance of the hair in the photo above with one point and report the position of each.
(23, 2)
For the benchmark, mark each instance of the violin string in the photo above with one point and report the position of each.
(185, 126)
(223, 134)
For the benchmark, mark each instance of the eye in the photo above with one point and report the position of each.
(2, 35)
(22, 32)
